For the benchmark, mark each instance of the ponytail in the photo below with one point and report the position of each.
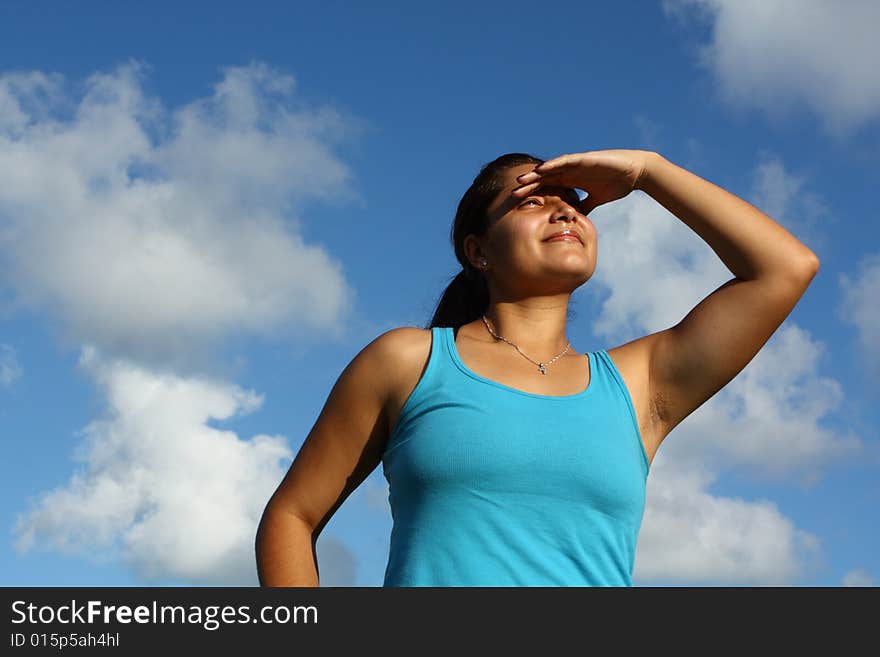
(465, 299)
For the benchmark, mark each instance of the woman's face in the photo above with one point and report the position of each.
(520, 259)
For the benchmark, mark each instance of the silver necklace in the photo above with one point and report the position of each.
(541, 366)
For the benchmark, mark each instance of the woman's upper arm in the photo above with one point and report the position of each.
(347, 440)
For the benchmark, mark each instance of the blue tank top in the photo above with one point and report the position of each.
(494, 486)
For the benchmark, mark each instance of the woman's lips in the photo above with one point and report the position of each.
(564, 238)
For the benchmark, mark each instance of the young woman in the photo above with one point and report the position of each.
(512, 459)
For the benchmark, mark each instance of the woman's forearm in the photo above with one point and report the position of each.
(285, 550)
(749, 242)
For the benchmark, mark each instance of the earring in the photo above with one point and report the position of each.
(484, 262)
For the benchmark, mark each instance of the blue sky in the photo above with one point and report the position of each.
(206, 213)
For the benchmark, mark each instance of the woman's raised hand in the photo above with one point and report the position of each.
(605, 175)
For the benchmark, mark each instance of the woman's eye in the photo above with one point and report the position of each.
(530, 200)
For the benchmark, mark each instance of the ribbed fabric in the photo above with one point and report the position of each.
(494, 486)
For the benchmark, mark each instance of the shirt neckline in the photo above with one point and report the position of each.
(453, 350)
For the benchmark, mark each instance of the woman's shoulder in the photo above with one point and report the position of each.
(391, 357)
(404, 353)
(403, 336)
(404, 347)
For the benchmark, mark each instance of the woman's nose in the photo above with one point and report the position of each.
(565, 215)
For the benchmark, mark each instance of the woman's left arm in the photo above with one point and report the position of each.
(692, 360)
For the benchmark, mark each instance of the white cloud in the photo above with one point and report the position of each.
(858, 577)
(152, 233)
(26, 98)
(178, 498)
(768, 422)
(779, 55)
(651, 265)
(10, 369)
(149, 235)
(689, 535)
(770, 418)
(859, 307)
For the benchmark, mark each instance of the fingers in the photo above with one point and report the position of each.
(528, 177)
(536, 174)
(558, 162)
(539, 176)
(523, 190)
(547, 167)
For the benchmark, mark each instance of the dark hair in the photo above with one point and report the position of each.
(467, 296)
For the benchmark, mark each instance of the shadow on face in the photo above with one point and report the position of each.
(505, 202)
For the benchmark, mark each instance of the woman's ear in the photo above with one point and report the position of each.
(472, 250)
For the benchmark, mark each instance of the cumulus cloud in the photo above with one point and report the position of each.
(641, 248)
(171, 495)
(770, 421)
(691, 536)
(778, 56)
(859, 308)
(152, 232)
